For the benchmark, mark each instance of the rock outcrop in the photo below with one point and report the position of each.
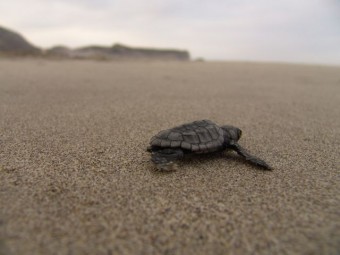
(12, 43)
(170, 54)
(59, 52)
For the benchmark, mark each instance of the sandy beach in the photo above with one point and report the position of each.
(75, 177)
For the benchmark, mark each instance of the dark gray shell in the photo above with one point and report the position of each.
(198, 136)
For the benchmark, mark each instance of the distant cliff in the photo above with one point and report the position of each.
(118, 51)
(12, 43)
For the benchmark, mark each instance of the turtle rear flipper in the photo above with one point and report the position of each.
(252, 159)
(165, 159)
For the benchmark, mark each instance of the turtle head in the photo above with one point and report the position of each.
(233, 132)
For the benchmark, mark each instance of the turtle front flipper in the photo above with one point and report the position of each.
(165, 159)
(252, 159)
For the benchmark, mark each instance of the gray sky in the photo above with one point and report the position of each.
(267, 30)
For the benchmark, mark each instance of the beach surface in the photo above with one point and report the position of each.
(75, 177)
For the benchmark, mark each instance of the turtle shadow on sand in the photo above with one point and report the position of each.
(205, 160)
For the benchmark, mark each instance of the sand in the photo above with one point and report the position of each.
(75, 177)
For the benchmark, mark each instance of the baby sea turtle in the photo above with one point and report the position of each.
(197, 137)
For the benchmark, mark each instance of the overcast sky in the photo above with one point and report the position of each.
(267, 30)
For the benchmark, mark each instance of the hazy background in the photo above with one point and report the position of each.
(262, 30)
